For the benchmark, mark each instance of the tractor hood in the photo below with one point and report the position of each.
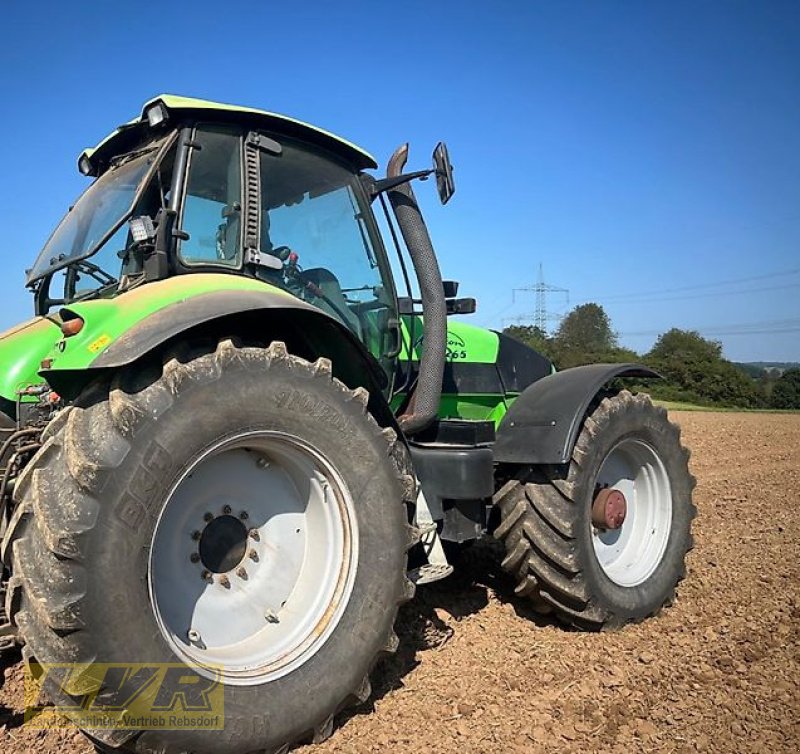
(22, 349)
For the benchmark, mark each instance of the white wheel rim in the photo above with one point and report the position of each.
(630, 555)
(279, 511)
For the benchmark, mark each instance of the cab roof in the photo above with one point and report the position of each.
(188, 108)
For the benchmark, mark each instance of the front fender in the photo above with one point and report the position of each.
(542, 425)
(120, 331)
(181, 316)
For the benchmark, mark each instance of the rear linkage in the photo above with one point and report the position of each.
(18, 445)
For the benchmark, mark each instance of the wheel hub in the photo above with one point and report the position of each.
(630, 540)
(609, 509)
(223, 544)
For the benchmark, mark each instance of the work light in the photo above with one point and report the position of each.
(156, 114)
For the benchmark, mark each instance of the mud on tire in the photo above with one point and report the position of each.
(547, 529)
(90, 503)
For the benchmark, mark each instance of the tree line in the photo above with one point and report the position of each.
(693, 367)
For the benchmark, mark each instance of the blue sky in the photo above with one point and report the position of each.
(646, 154)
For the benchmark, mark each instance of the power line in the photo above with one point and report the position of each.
(701, 286)
(486, 318)
(710, 294)
(767, 327)
(711, 333)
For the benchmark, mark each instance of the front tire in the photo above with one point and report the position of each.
(149, 538)
(594, 575)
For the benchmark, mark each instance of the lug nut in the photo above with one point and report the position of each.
(244, 515)
(225, 581)
(253, 555)
(271, 617)
(194, 636)
(206, 576)
(194, 557)
(226, 509)
(262, 463)
(196, 535)
(253, 533)
(241, 573)
(208, 517)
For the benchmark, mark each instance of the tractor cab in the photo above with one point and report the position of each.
(188, 189)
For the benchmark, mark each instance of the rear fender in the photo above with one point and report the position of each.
(542, 425)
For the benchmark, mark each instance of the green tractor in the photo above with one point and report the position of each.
(229, 444)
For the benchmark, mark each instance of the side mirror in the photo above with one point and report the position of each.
(444, 172)
(461, 305)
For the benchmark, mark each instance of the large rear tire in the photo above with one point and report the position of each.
(603, 576)
(237, 511)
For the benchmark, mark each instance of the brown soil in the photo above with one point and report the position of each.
(476, 672)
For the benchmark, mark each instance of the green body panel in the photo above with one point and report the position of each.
(22, 349)
(476, 406)
(108, 319)
(467, 345)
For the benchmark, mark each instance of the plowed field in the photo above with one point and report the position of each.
(476, 672)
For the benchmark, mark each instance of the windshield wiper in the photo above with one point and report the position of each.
(94, 271)
(96, 293)
(121, 159)
(107, 281)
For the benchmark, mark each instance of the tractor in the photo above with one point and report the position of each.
(233, 441)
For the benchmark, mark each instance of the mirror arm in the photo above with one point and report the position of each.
(384, 184)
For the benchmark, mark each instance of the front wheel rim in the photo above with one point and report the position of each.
(630, 554)
(253, 558)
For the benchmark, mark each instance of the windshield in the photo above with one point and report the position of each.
(97, 213)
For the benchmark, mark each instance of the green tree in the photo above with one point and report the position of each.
(786, 391)
(585, 336)
(695, 370)
(587, 328)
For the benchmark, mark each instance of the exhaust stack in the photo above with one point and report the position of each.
(424, 405)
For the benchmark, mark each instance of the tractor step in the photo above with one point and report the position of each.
(430, 572)
(437, 567)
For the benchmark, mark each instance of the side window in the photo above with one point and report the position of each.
(212, 205)
(316, 220)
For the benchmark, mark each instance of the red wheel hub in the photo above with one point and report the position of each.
(609, 509)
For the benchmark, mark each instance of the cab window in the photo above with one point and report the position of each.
(212, 204)
(315, 219)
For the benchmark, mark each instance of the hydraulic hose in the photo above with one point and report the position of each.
(424, 405)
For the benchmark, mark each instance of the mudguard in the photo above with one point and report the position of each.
(122, 330)
(542, 425)
(180, 316)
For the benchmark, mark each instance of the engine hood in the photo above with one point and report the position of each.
(22, 349)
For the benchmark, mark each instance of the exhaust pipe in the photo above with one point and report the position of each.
(424, 405)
